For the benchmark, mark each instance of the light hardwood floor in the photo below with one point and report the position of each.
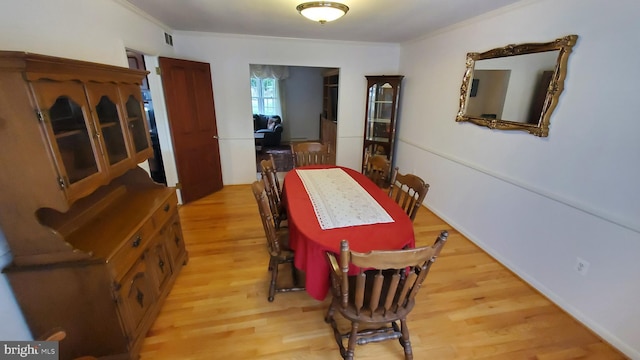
(470, 306)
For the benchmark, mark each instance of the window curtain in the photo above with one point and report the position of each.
(281, 108)
(278, 72)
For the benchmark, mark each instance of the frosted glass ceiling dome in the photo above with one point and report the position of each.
(322, 11)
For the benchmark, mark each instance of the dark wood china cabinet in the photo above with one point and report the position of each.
(381, 117)
(96, 244)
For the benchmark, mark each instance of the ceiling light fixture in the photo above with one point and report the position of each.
(322, 11)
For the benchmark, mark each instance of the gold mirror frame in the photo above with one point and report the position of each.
(541, 129)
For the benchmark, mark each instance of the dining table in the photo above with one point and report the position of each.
(326, 204)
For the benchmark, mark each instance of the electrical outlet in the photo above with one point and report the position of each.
(582, 266)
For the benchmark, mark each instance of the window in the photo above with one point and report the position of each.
(264, 96)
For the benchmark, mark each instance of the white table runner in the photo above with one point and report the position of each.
(339, 201)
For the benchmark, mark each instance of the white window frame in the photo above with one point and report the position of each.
(262, 103)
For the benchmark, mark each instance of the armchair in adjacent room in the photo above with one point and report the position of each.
(268, 130)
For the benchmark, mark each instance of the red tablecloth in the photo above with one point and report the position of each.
(310, 242)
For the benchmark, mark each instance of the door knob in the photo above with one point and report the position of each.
(215, 137)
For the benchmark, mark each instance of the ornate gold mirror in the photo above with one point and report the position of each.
(515, 87)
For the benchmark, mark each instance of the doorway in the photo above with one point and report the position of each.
(156, 165)
(304, 102)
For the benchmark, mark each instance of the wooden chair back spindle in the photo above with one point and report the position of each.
(312, 153)
(408, 191)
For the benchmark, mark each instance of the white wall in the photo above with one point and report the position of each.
(303, 103)
(537, 204)
(96, 30)
(230, 56)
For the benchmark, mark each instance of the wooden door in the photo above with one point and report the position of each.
(189, 98)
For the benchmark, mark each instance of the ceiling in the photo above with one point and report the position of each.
(391, 21)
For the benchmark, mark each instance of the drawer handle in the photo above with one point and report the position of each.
(161, 264)
(167, 207)
(136, 242)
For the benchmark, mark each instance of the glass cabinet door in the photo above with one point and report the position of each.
(136, 121)
(380, 110)
(72, 136)
(104, 99)
(380, 123)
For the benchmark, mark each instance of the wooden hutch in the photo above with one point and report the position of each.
(96, 244)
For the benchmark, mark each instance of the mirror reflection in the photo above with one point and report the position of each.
(515, 87)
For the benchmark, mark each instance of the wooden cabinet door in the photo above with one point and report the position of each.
(136, 121)
(136, 296)
(175, 241)
(112, 129)
(158, 262)
(72, 136)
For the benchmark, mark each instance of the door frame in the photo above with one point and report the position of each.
(162, 123)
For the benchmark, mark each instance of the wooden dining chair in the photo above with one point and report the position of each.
(380, 295)
(58, 334)
(273, 189)
(311, 153)
(277, 243)
(408, 191)
(376, 168)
